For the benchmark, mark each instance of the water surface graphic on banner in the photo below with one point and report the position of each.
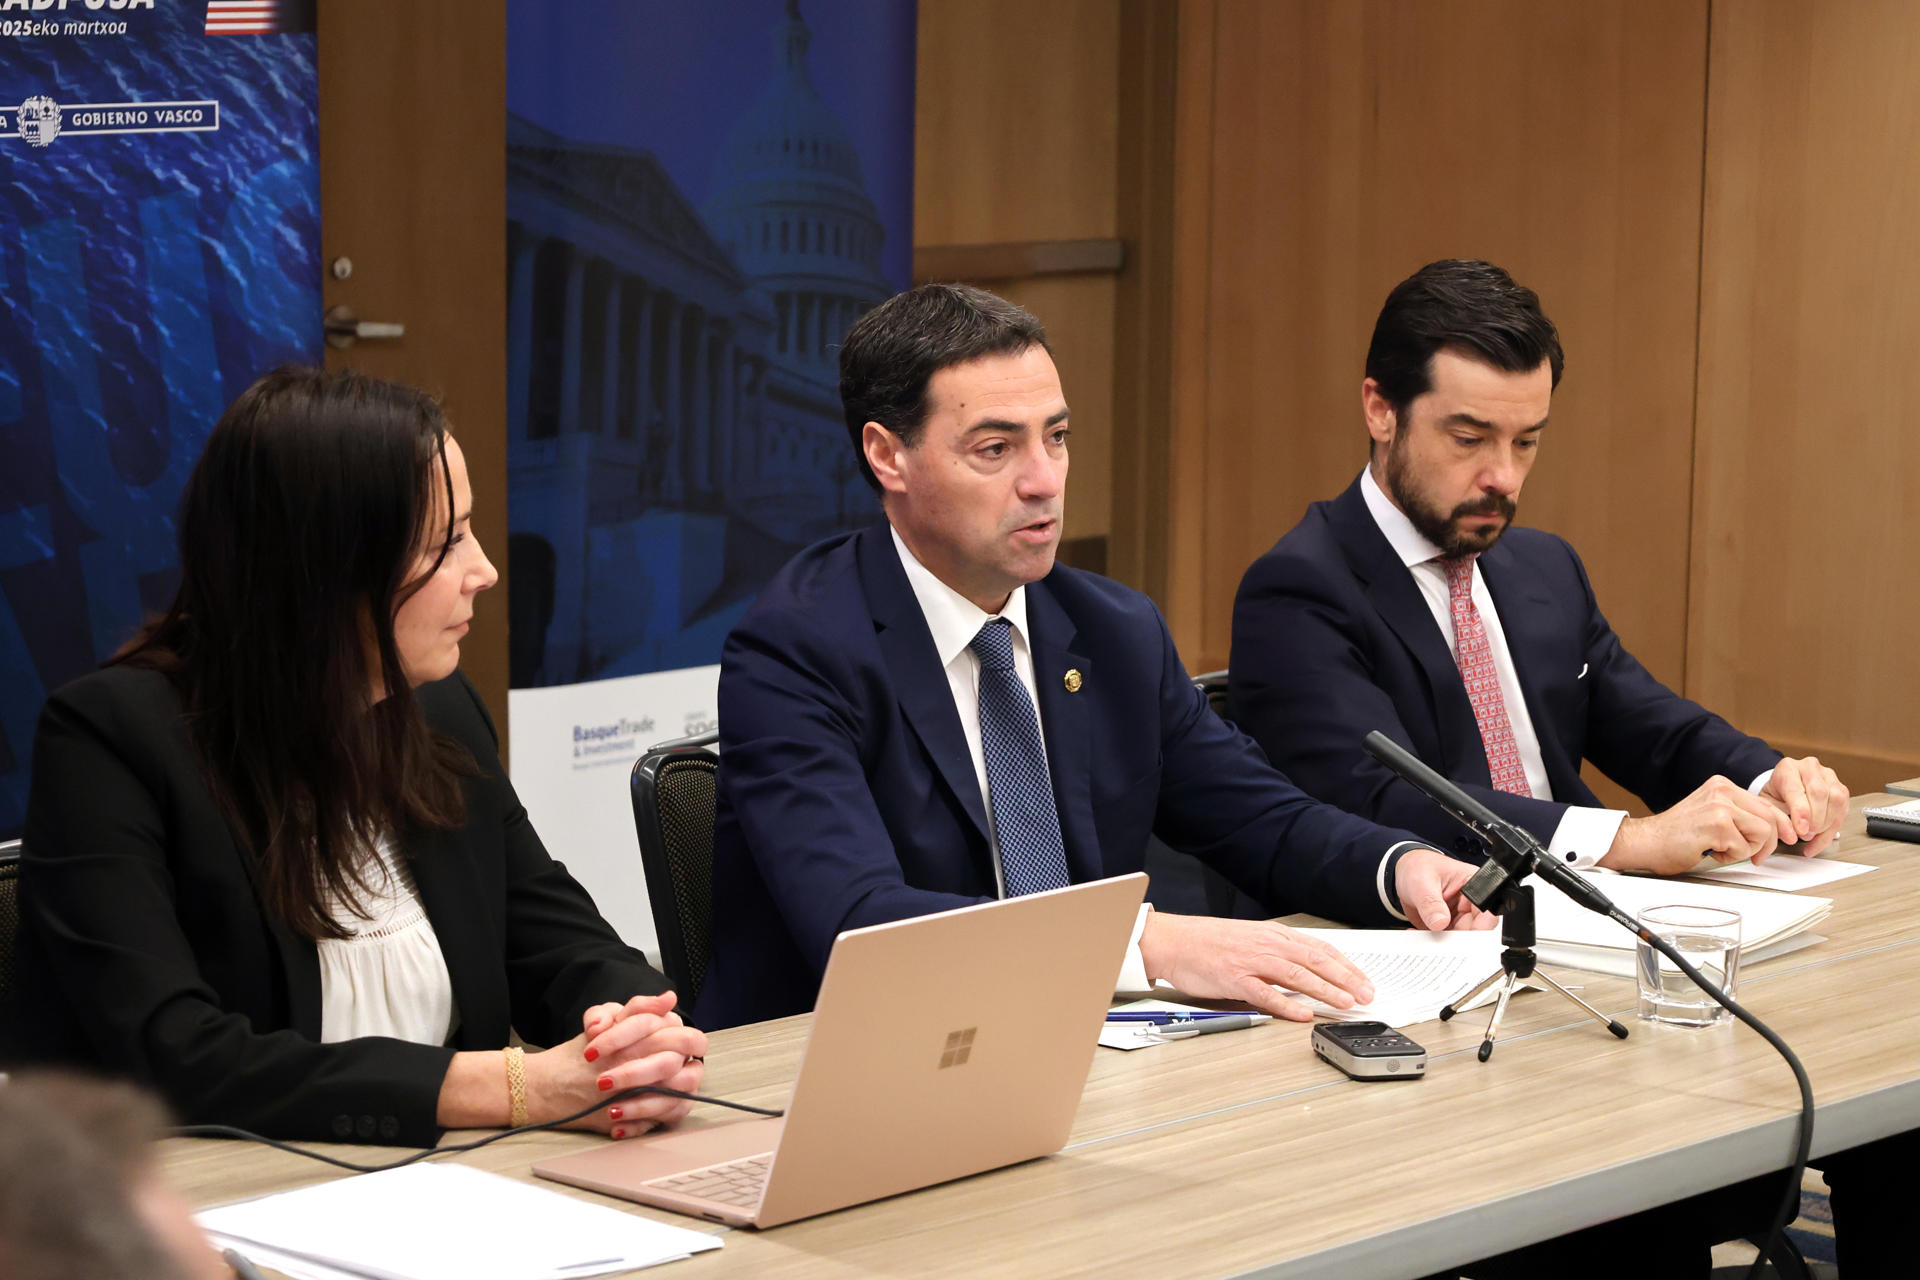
(159, 249)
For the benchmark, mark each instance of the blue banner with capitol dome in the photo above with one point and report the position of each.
(701, 199)
(159, 249)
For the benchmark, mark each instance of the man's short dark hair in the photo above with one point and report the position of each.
(1460, 303)
(893, 351)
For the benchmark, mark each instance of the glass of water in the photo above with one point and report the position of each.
(1710, 940)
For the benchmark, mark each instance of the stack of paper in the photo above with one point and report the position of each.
(443, 1222)
(1414, 973)
(1573, 936)
(1787, 872)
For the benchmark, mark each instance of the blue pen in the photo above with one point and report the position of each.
(1161, 1017)
(1187, 1028)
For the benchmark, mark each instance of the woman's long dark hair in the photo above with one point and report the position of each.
(299, 532)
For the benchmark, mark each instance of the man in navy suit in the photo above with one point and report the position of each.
(1410, 604)
(931, 713)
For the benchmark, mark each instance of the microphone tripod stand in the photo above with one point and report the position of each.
(1498, 887)
(1513, 903)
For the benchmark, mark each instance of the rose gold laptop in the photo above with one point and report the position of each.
(941, 1046)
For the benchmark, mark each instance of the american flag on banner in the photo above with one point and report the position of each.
(258, 17)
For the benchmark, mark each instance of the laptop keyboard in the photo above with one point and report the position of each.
(737, 1182)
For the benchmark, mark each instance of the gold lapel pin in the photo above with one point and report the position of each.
(1073, 680)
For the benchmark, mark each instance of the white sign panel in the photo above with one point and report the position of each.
(573, 749)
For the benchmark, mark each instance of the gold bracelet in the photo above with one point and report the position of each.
(516, 1087)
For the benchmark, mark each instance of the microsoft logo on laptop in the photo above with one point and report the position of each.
(959, 1048)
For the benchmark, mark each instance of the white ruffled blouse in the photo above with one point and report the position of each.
(389, 978)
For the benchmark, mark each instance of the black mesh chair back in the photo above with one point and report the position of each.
(9, 912)
(673, 801)
(1214, 685)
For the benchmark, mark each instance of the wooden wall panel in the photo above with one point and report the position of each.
(1350, 143)
(1144, 322)
(1016, 138)
(1807, 489)
(1189, 418)
(1014, 133)
(1078, 313)
(418, 203)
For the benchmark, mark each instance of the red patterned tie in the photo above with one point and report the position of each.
(1475, 658)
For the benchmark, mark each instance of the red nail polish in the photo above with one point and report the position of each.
(613, 1113)
(606, 1082)
(593, 1055)
(619, 1133)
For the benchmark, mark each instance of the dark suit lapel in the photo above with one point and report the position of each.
(919, 682)
(1396, 597)
(1065, 723)
(452, 900)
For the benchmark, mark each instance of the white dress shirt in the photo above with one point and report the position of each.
(1584, 835)
(954, 621)
(389, 978)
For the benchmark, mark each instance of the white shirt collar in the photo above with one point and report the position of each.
(1409, 543)
(953, 619)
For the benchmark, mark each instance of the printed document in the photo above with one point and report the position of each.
(1787, 872)
(1414, 973)
(423, 1223)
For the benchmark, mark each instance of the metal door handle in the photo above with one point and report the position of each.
(343, 328)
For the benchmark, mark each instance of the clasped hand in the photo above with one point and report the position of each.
(1801, 804)
(641, 1042)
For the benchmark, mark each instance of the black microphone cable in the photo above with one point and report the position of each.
(230, 1131)
(1521, 846)
(1803, 1148)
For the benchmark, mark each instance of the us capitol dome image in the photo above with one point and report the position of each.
(674, 420)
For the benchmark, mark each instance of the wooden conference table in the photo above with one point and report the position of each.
(1241, 1154)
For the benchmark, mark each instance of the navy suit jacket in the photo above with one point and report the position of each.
(1332, 638)
(847, 796)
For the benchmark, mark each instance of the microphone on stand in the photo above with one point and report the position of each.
(1515, 853)
(1497, 887)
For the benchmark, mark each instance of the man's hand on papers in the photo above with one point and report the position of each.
(640, 1042)
(1428, 884)
(1722, 820)
(1813, 800)
(1245, 960)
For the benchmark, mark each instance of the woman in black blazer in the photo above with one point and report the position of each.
(288, 757)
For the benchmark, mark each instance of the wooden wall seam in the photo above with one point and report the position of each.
(1699, 313)
(1189, 440)
(1143, 307)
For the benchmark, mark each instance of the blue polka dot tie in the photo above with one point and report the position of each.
(1025, 821)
